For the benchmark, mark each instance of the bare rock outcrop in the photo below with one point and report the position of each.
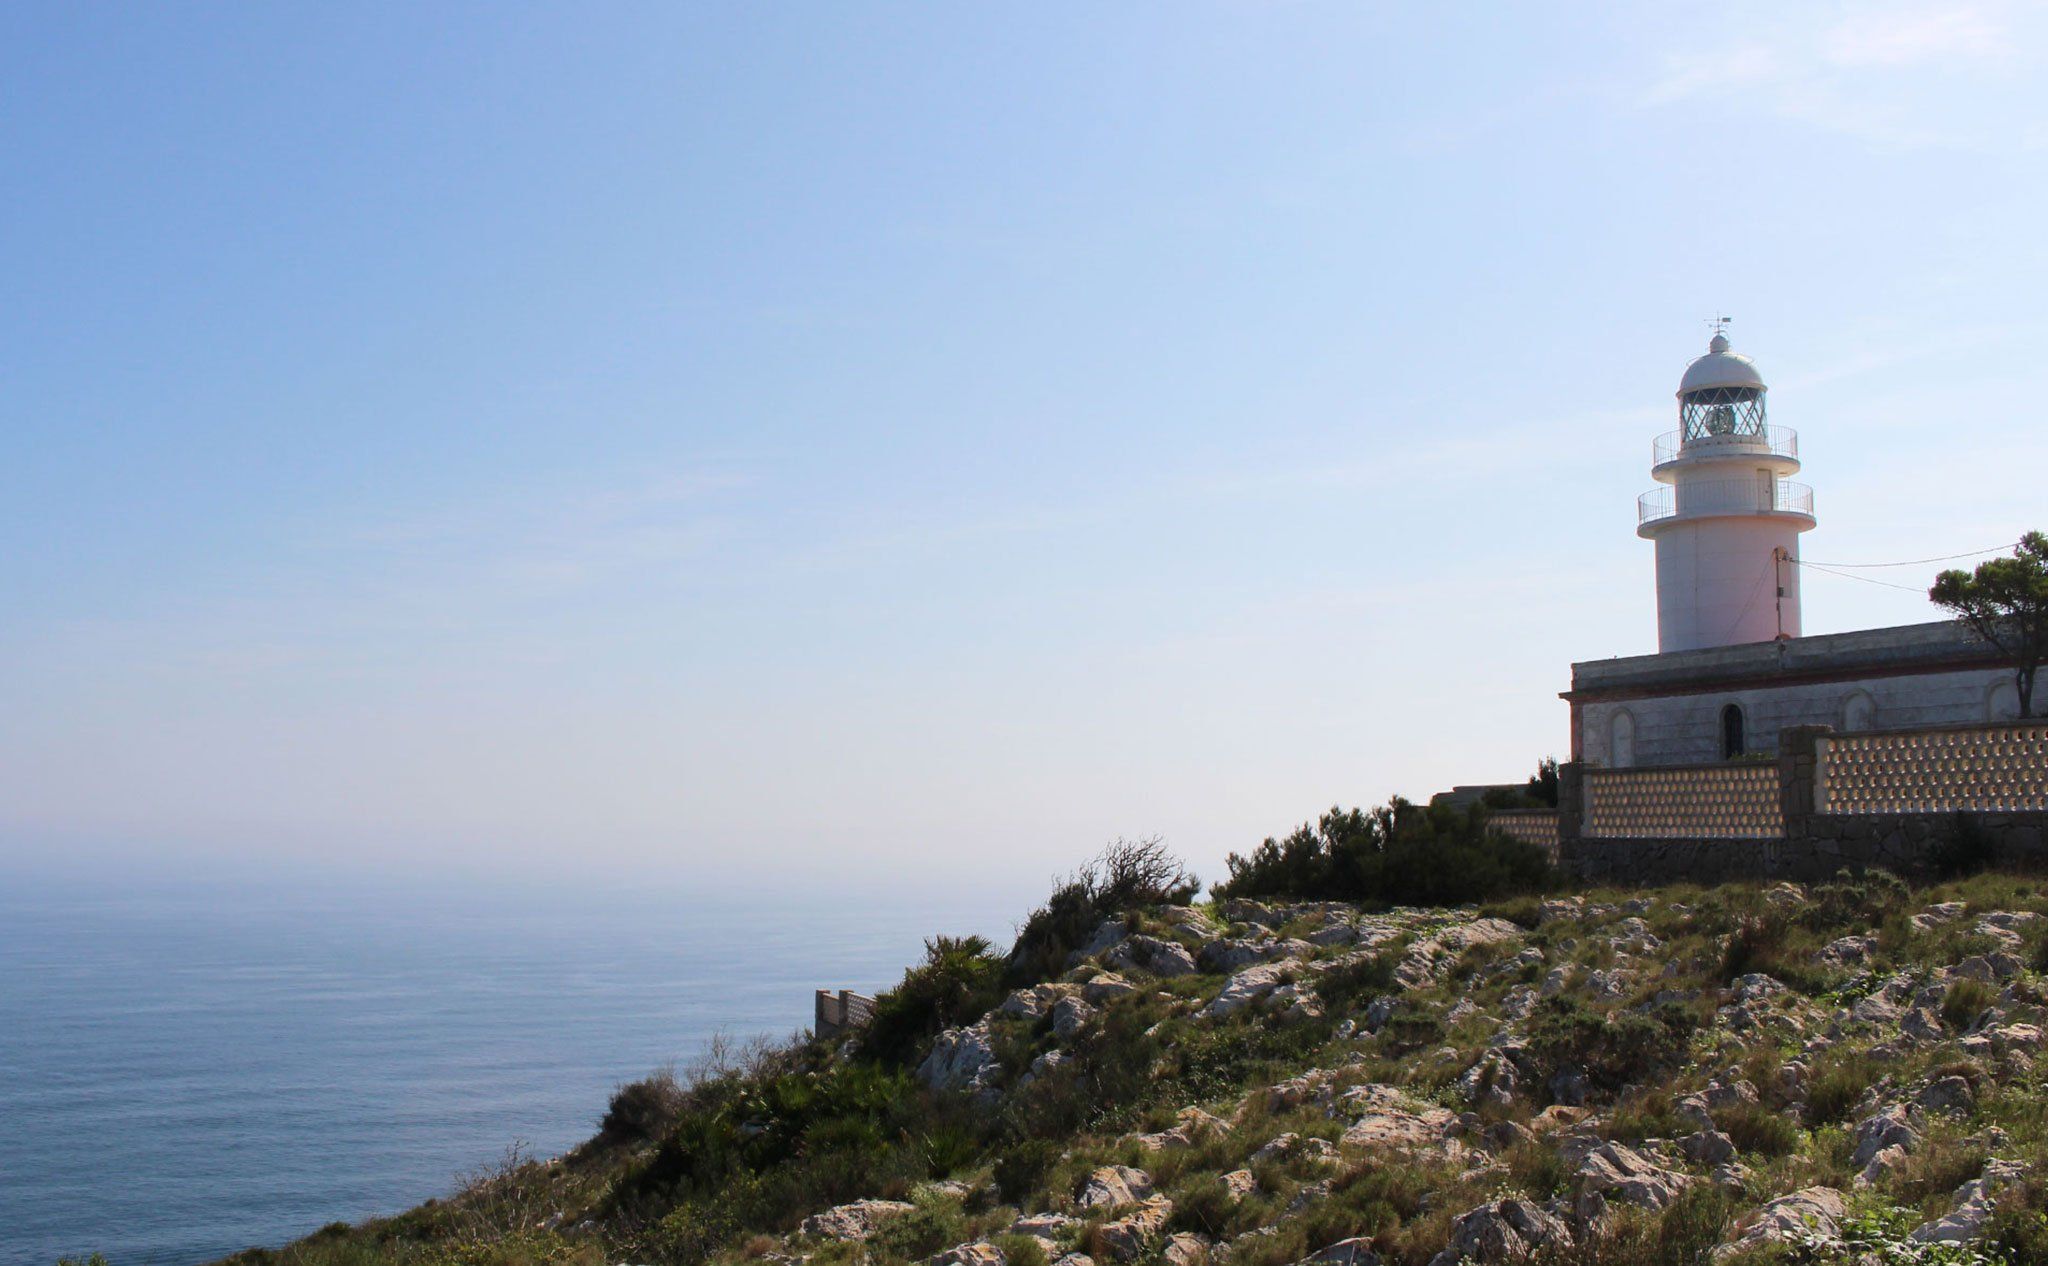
(1811, 1211)
(1503, 1231)
(856, 1221)
(1113, 1186)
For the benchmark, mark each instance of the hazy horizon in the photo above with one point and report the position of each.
(853, 446)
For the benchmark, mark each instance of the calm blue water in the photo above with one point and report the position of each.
(184, 1073)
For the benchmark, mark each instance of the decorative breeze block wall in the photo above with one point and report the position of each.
(1979, 769)
(1700, 802)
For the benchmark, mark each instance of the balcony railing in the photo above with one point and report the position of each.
(1779, 441)
(1725, 496)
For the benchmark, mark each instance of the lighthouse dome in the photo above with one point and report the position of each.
(1721, 368)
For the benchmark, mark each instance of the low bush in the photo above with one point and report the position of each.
(1756, 1129)
(1349, 987)
(1834, 1091)
(1398, 854)
(644, 1110)
(1855, 902)
(1612, 1050)
(1964, 1002)
(1127, 876)
(934, 1224)
(959, 980)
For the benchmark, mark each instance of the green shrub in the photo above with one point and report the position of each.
(1855, 902)
(959, 980)
(1204, 1206)
(936, 1223)
(1964, 1002)
(643, 1110)
(1020, 1250)
(1400, 853)
(1612, 1050)
(1354, 984)
(1127, 876)
(1757, 1129)
(1754, 946)
(1833, 1093)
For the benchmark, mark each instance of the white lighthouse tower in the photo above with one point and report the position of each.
(1727, 525)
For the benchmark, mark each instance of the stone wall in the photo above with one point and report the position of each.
(1986, 765)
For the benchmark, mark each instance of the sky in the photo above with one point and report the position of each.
(884, 443)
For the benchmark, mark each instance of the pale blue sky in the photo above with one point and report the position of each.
(860, 439)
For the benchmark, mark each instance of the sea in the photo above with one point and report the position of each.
(188, 1069)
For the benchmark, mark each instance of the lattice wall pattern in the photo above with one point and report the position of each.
(1738, 801)
(1531, 826)
(1979, 769)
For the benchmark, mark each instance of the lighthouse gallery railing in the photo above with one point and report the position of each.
(1778, 441)
(1725, 496)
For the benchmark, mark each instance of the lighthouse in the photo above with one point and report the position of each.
(1727, 521)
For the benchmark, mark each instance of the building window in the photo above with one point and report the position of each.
(1859, 714)
(1732, 745)
(1621, 740)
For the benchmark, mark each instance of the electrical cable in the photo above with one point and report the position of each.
(1868, 580)
(1917, 562)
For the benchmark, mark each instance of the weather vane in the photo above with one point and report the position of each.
(1719, 324)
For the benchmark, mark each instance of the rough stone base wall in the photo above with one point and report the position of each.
(1827, 843)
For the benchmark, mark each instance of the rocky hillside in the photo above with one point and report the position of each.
(1845, 1073)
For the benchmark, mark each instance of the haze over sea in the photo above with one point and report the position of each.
(188, 1069)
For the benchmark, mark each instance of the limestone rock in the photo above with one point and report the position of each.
(1033, 1003)
(1240, 1183)
(1811, 1210)
(1126, 1238)
(1291, 1146)
(1194, 1125)
(1707, 1147)
(1312, 1086)
(1847, 951)
(1113, 1186)
(1492, 1079)
(1973, 1212)
(1245, 988)
(1150, 954)
(1069, 1016)
(1046, 1228)
(1951, 1094)
(1387, 1119)
(1882, 1141)
(1430, 957)
(960, 1059)
(980, 1253)
(1236, 953)
(1107, 934)
(1936, 915)
(856, 1221)
(1185, 1249)
(1356, 1251)
(1612, 1171)
(1510, 1230)
(1105, 987)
